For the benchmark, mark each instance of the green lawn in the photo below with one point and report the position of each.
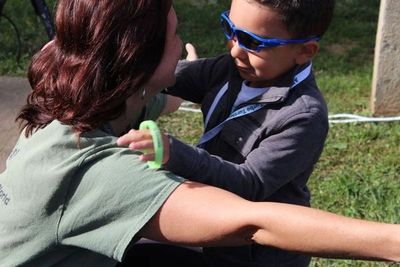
(359, 172)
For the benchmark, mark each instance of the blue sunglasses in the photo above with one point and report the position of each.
(252, 42)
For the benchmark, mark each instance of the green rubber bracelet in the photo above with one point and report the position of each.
(157, 141)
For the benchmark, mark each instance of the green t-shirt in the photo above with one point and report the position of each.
(64, 205)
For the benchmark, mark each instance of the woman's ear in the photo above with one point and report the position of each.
(307, 52)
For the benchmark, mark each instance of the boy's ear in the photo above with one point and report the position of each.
(307, 52)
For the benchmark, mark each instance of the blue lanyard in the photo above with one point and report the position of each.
(300, 77)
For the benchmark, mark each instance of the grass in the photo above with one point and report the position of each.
(359, 172)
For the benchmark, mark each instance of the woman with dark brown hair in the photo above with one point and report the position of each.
(71, 197)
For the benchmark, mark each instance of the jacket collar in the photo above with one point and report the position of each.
(280, 91)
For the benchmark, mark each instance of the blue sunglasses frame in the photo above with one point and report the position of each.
(254, 38)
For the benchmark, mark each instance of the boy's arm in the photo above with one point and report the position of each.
(195, 78)
(278, 159)
(187, 76)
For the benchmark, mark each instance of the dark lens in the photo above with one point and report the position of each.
(247, 40)
(226, 28)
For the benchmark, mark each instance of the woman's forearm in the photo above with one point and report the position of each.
(200, 215)
(325, 234)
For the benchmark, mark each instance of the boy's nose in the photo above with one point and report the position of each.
(235, 50)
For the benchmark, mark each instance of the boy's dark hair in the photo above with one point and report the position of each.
(303, 18)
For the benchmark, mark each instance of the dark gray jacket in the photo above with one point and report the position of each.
(267, 155)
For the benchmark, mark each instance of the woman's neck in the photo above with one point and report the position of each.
(119, 125)
(134, 106)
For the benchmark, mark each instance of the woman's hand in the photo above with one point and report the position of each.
(142, 140)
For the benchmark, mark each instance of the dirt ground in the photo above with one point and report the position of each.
(13, 92)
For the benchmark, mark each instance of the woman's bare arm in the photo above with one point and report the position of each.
(200, 215)
(324, 234)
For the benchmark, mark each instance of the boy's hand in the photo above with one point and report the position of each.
(191, 52)
(142, 140)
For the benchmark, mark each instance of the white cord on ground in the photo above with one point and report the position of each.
(348, 118)
(336, 118)
(190, 109)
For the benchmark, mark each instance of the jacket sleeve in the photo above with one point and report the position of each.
(282, 156)
(194, 78)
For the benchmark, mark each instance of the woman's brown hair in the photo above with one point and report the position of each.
(103, 52)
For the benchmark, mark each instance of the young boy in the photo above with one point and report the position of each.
(265, 119)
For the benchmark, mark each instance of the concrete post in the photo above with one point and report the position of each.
(385, 98)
